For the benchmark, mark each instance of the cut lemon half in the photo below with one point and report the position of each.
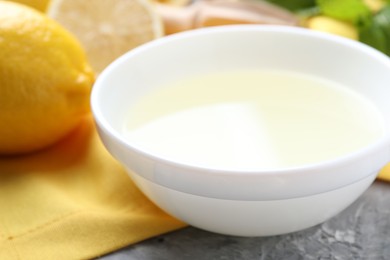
(107, 28)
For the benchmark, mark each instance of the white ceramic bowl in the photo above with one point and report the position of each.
(245, 203)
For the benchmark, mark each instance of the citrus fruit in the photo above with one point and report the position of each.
(375, 5)
(37, 4)
(107, 29)
(45, 80)
(334, 26)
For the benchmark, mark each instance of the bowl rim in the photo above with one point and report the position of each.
(301, 169)
(117, 63)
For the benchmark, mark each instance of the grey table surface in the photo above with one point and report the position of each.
(362, 231)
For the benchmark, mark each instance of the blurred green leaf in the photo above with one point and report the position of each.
(376, 31)
(347, 10)
(294, 5)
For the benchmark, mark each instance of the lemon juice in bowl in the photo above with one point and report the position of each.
(253, 119)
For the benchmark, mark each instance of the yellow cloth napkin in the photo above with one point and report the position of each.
(72, 201)
(384, 174)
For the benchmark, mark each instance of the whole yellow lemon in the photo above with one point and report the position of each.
(45, 80)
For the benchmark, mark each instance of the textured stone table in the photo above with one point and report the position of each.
(360, 232)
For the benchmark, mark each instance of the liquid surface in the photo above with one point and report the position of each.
(247, 120)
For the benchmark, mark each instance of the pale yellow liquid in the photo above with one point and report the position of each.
(251, 120)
